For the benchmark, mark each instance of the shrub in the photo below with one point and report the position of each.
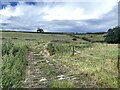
(86, 39)
(74, 39)
(3, 38)
(15, 38)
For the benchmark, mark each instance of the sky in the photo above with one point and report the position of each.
(59, 16)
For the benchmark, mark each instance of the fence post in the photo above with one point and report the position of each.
(73, 50)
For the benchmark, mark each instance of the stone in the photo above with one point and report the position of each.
(43, 79)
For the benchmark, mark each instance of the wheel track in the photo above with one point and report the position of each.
(34, 76)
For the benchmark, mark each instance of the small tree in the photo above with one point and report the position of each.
(40, 30)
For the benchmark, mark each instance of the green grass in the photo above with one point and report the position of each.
(93, 65)
(93, 37)
(97, 61)
(14, 62)
(62, 84)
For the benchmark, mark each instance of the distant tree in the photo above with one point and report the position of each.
(113, 35)
(40, 30)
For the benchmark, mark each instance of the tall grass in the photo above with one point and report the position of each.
(65, 48)
(14, 63)
(56, 48)
(62, 84)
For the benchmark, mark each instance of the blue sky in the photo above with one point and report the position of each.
(59, 16)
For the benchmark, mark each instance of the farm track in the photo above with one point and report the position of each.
(34, 76)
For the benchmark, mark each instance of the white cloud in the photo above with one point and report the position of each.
(33, 16)
(66, 13)
(62, 0)
(79, 11)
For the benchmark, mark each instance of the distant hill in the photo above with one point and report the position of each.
(77, 33)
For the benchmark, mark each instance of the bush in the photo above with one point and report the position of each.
(91, 36)
(74, 39)
(86, 39)
(113, 35)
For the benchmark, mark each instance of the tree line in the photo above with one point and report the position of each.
(113, 35)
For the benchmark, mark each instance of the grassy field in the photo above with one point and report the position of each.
(57, 61)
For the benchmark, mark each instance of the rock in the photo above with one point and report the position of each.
(37, 70)
(26, 80)
(61, 77)
(43, 79)
(35, 63)
(47, 61)
(33, 76)
(73, 78)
